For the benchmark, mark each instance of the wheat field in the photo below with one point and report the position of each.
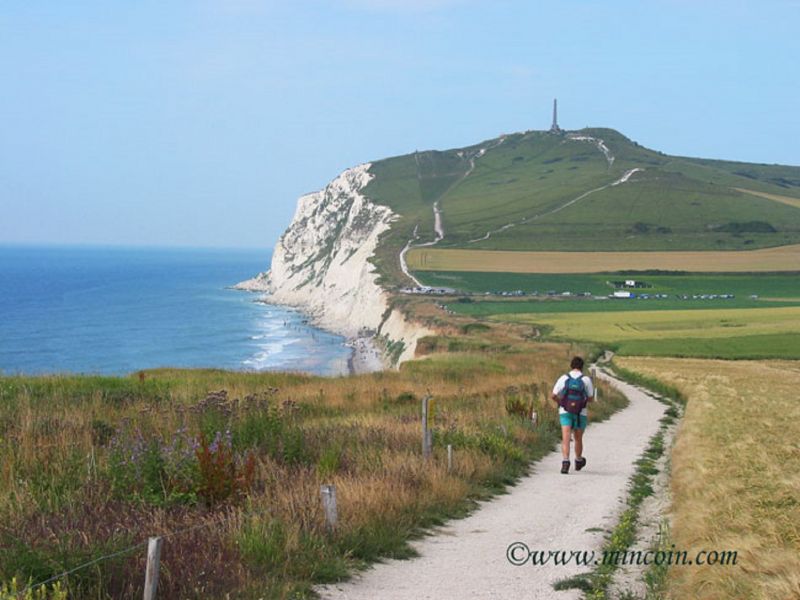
(781, 258)
(735, 483)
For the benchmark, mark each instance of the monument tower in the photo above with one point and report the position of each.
(554, 128)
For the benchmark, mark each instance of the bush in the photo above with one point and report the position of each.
(500, 447)
(329, 461)
(517, 407)
(221, 476)
(745, 227)
(102, 432)
(153, 469)
(472, 327)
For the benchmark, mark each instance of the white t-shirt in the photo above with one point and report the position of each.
(587, 382)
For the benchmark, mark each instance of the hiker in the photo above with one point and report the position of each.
(572, 392)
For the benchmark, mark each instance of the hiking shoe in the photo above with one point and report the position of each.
(580, 463)
(565, 466)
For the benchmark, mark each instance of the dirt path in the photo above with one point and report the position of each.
(438, 226)
(625, 177)
(467, 557)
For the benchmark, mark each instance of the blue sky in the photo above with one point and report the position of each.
(200, 122)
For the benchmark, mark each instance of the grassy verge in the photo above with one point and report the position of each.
(228, 466)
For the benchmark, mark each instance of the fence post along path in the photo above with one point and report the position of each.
(328, 493)
(153, 563)
(427, 437)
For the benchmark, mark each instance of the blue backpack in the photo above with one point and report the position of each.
(573, 398)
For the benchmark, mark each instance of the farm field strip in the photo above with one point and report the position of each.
(748, 504)
(781, 258)
(632, 325)
(776, 197)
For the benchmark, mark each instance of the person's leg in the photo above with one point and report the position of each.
(565, 435)
(578, 443)
(580, 462)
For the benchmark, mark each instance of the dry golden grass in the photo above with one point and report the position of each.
(782, 258)
(58, 478)
(735, 480)
(777, 198)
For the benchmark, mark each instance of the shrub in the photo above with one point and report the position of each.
(152, 469)
(329, 461)
(102, 432)
(406, 398)
(500, 447)
(221, 476)
(517, 407)
(472, 327)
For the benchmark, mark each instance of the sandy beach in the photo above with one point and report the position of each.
(366, 357)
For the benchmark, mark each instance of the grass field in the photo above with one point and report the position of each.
(723, 333)
(765, 285)
(486, 308)
(782, 258)
(671, 203)
(733, 478)
(229, 466)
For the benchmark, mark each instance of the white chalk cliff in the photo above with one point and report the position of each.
(321, 264)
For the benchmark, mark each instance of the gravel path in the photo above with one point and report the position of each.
(467, 557)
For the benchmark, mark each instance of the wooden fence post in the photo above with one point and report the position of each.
(449, 457)
(329, 504)
(595, 382)
(426, 433)
(153, 563)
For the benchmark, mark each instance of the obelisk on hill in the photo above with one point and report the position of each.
(554, 128)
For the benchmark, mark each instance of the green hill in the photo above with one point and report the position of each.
(543, 191)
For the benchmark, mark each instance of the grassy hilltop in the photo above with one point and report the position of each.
(529, 179)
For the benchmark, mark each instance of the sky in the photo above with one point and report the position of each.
(200, 122)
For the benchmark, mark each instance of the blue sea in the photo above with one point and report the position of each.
(117, 310)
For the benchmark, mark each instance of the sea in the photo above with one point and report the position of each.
(114, 310)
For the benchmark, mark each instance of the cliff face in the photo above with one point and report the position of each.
(320, 264)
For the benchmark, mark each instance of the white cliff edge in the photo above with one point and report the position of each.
(321, 266)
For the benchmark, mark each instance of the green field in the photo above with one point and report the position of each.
(484, 308)
(721, 333)
(764, 285)
(779, 345)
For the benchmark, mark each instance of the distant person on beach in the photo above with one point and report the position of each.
(573, 392)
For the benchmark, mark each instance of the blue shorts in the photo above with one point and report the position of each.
(574, 421)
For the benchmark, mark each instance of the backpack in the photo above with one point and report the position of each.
(573, 398)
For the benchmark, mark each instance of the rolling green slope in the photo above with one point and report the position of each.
(540, 191)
